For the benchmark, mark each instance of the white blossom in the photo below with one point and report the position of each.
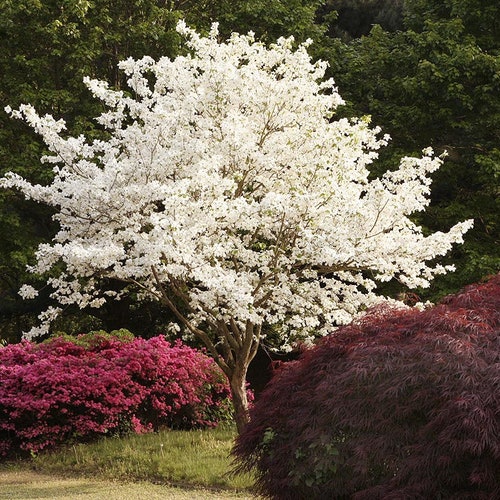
(28, 292)
(225, 181)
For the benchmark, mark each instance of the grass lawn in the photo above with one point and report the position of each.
(191, 460)
(29, 485)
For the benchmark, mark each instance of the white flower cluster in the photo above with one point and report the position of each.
(227, 181)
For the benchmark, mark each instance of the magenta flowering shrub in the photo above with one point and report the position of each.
(65, 390)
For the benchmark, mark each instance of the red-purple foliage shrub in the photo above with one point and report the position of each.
(64, 391)
(403, 404)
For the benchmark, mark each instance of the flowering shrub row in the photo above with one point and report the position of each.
(403, 404)
(65, 390)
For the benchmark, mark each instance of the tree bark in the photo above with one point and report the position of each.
(248, 339)
(237, 382)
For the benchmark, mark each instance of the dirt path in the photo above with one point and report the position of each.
(29, 485)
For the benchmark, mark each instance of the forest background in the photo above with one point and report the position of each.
(426, 71)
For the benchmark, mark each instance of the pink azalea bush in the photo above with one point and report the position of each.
(66, 390)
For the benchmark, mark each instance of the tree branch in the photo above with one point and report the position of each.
(192, 328)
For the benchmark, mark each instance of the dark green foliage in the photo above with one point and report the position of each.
(355, 18)
(92, 339)
(268, 19)
(403, 404)
(480, 17)
(437, 83)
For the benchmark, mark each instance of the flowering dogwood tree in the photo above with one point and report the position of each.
(226, 190)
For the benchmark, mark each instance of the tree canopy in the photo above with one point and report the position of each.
(428, 74)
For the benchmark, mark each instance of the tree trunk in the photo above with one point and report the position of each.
(238, 383)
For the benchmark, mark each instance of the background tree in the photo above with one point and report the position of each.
(351, 19)
(67, 40)
(437, 82)
(225, 183)
(268, 19)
